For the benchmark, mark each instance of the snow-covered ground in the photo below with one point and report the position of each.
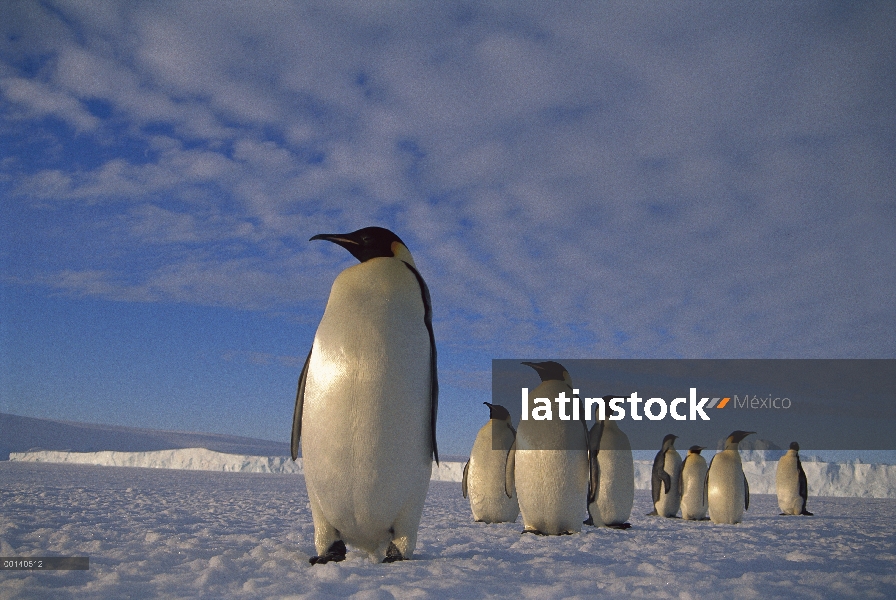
(825, 479)
(187, 534)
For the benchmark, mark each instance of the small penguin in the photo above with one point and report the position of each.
(615, 475)
(693, 477)
(791, 484)
(484, 477)
(664, 479)
(550, 461)
(366, 403)
(727, 490)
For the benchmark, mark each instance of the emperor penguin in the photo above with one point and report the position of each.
(665, 479)
(790, 483)
(550, 461)
(612, 505)
(366, 403)
(727, 490)
(693, 476)
(484, 477)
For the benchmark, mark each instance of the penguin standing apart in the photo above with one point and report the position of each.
(727, 490)
(484, 476)
(615, 483)
(790, 483)
(665, 479)
(550, 462)
(693, 477)
(366, 403)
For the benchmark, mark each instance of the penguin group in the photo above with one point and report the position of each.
(365, 424)
(721, 489)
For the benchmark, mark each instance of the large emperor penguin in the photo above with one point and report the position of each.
(612, 505)
(791, 484)
(550, 462)
(727, 490)
(664, 480)
(693, 478)
(484, 477)
(366, 403)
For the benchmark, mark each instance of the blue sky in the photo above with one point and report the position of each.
(581, 180)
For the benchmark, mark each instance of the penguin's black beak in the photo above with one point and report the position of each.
(336, 238)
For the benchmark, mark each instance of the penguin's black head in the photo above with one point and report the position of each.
(669, 440)
(496, 411)
(549, 370)
(367, 243)
(794, 446)
(737, 436)
(696, 449)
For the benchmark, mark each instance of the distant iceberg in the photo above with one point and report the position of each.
(852, 480)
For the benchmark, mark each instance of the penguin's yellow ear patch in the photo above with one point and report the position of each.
(401, 252)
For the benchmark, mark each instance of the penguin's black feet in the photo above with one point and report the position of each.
(589, 521)
(335, 553)
(806, 513)
(393, 554)
(620, 526)
(532, 531)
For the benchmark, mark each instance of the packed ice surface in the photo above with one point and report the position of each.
(202, 534)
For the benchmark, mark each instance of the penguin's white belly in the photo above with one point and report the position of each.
(486, 476)
(366, 420)
(787, 486)
(552, 486)
(668, 504)
(726, 489)
(616, 492)
(693, 479)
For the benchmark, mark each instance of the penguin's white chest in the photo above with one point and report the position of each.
(726, 491)
(488, 459)
(787, 485)
(693, 478)
(551, 470)
(366, 420)
(669, 503)
(616, 492)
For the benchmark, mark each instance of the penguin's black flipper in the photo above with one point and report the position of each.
(593, 472)
(746, 494)
(589, 520)
(433, 367)
(659, 475)
(297, 413)
(335, 553)
(463, 485)
(508, 471)
(803, 484)
(681, 475)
